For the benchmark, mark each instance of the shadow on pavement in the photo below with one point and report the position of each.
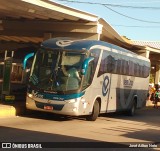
(48, 140)
(148, 115)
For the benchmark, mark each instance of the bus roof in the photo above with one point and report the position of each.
(82, 44)
(71, 43)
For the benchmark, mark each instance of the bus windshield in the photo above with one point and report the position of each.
(57, 70)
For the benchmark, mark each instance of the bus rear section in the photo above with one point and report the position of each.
(121, 80)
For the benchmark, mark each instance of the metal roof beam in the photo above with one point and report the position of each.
(42, 26)
(13, 46)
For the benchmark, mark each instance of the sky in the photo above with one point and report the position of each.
(135, 19)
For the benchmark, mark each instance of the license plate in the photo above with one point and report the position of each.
(48, 107)
(9, 98)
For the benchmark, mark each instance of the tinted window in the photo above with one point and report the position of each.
(124, 65)
(95, 53)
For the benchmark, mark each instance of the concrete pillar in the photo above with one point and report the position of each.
(99, 30)
(157, 75)
(145, 54)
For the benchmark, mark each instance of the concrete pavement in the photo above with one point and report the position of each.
(143, 128)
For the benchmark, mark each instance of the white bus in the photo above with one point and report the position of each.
(86, 77)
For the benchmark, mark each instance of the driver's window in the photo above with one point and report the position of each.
(89, 75)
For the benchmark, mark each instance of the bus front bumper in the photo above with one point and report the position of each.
(73, 107)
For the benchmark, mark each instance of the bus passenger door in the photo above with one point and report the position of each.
(105, 75)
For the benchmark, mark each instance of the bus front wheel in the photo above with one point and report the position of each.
(95, 112)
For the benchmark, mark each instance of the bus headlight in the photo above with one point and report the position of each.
(30, 95)
(72, 101)
(83, 100)
(75, 109)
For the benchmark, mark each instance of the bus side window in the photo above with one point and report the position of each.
(108, 64)
(125, 67)
(89, 75)
(131, 68)
(146, 71)
(95, 53)
(118, 71)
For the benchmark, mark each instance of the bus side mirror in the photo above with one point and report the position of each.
(26, 58)
(85, 65)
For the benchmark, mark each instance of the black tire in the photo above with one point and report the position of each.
(95, 112)
(131, 111)
(28, 112)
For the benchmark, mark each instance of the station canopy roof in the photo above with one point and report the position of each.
(152, 46)
(42, 9)
(33, 10)
(17, 15)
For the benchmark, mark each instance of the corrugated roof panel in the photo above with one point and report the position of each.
(153, 44)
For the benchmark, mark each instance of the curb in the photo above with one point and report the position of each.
(7, 111)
